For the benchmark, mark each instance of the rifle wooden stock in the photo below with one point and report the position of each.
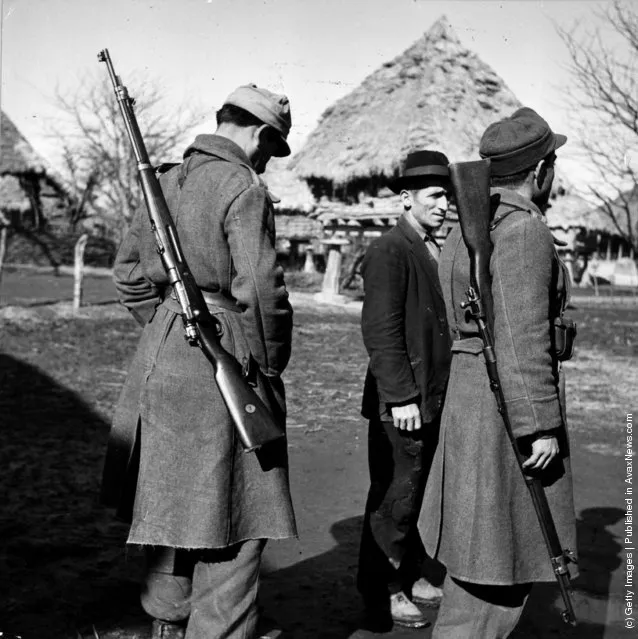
(253, 420)
(471, 183)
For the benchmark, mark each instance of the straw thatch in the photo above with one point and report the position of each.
(12, 196)
(437, 95)
(17, 156)
(29, 191)
(288, 187)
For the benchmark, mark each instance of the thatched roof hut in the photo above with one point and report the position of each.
(17, 156)
(288, 187)
(24, 175)
(437, 95)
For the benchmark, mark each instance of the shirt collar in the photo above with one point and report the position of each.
(419, 230)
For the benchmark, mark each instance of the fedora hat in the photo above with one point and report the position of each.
(421, 169)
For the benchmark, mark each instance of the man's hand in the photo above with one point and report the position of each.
(543, 451)
(406, 417)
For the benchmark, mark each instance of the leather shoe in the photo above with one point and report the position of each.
(424, 593)
(405, 613)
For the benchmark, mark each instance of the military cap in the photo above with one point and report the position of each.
(518, 142)
(271, 108)
(421, 169)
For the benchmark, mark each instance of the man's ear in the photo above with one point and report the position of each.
(406, 199)
(261, 134)
(542, 187)
(544, 175)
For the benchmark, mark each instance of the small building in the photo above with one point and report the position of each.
(298, 233)
(34, 204)
(436, 95)
(29, 192)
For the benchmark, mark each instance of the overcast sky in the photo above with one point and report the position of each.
(314, 51)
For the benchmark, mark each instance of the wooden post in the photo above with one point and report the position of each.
(569, 264)
(78, 270)
(309, 264)
(332, 276)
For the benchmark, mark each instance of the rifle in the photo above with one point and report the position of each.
(253, 421)
(471, 183)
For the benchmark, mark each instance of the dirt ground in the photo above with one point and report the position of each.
(63, 567)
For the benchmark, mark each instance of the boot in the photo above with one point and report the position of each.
(167, 630)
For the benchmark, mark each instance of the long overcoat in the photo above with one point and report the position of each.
(404, 326)
(175, 466)
(477, 515)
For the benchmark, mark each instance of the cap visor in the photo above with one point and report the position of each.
(283, 150)
(560, 140)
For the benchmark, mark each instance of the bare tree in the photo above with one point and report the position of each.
(98, 166)
(604, 67)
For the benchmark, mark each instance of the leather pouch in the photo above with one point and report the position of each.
(564, 337)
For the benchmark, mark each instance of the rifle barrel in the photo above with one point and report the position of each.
(470, 181)
(253, 421)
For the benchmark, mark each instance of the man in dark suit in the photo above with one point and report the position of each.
(405, 332)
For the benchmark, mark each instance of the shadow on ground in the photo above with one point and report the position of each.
(318, 597)
(61, 562)
(63, 568)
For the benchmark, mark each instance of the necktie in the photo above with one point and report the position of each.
(433, 247)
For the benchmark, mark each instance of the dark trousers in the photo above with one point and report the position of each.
(392, 556)
(212, 592)
(470, 611)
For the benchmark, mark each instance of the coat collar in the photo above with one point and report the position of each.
(421, 253)
(219, 146)
(516, 200)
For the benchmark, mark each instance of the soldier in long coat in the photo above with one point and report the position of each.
(405, 333)
(175, 468)
(477, 517)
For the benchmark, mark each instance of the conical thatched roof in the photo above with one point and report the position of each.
(435, 95)
(17, 156)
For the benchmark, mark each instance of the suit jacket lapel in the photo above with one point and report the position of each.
(421, 254)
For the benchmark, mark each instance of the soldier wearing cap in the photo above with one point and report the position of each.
(200, 507)
(477, 516)
(405, 333)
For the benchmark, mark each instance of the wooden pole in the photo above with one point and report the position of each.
(78, 270)
(309, 264)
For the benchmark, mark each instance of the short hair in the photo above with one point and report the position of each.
(236, 115)
(511, 181)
